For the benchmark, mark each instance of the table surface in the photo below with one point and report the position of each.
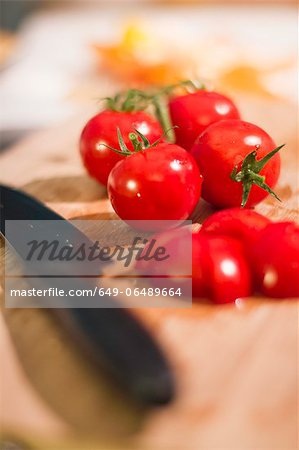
(236, 367)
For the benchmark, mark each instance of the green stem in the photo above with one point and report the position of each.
(249, 174)
(137, 145)
(163, 116)
(260, 164)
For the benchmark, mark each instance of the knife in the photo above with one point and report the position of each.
(112, 337)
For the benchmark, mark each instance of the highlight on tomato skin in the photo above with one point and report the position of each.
(220, 152)
(192, 113)
(276, 254)
(227, 270)
(101, 130)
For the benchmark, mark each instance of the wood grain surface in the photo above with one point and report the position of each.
(236, 366)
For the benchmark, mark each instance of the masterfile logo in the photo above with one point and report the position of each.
(97, 263)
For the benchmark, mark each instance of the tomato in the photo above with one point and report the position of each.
(193, 113)
(219, 268)
(157, 183)
(241, 224)
(276, 254)
(222, 267)
(177, 244)
(101, 129)
(239, 162)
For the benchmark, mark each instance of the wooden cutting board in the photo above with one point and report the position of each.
(235, 366)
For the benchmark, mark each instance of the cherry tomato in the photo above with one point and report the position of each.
(276, 255)
(193, 113)
(219, 268)
(158, 183)
(170, 271)
(101, 129)
(239, 163)
(241, 224)
(222, 267)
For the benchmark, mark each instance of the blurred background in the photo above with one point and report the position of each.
(60, 57)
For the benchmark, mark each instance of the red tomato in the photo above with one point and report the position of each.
(193, 113)
(221, 152)
(177, 244)
(222, 268)
(101, 129)
(158, 183)
(230, 274)
(219, 268)
(276, 255)
(241, 224)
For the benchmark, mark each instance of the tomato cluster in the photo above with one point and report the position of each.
(271, 249)
(206, 150)
(236, 253)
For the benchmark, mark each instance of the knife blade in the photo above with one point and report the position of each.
(112, 336)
